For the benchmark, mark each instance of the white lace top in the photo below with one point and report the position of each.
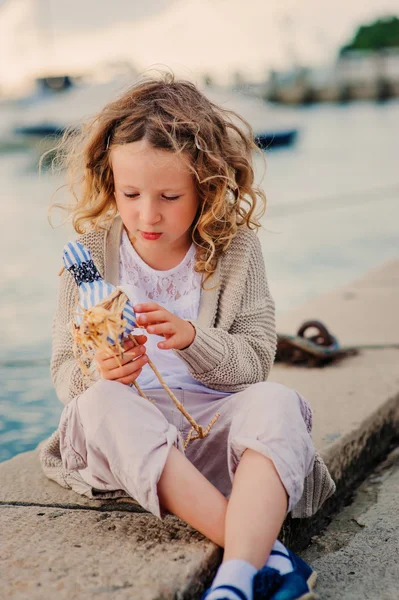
(179, 291)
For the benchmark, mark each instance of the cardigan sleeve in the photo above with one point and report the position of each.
(65, 371)
(230, 360)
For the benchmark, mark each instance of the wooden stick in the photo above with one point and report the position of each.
(202, 433)
(142, 394)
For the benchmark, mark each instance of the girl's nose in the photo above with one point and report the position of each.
(150, 213)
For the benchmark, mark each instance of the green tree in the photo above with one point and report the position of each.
(382, 33)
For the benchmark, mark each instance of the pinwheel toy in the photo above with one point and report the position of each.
(105, 319)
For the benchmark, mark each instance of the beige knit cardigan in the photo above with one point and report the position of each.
(234, 345)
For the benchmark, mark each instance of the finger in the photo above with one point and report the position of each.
(168, 344)
(130, 379)
(156, 316)
(127, 357)
(127, 346)
(146, 307)
(130, 343)
(137, 352)
(101, 357)
(113, 351)
(141, 339)
(138, 355)
(126, 370)
(162, 329)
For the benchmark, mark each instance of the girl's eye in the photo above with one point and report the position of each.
(171, 198)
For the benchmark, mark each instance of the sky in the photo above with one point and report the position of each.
(193, 37)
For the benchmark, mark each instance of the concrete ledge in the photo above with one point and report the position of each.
(24, 484)
(356, 416)
(75, 554)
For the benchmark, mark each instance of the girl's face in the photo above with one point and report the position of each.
(155, 194)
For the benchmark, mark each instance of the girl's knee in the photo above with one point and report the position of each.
(98, 400)
(271, 400)
(114, 401)
(283, 402)
(271, 414)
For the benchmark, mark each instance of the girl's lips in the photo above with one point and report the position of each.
(150, 236)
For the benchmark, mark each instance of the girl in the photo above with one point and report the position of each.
(165, 200)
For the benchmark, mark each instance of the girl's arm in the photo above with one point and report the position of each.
(231, 359)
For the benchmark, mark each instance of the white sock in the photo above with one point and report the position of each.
(276, 561)
(235, 572)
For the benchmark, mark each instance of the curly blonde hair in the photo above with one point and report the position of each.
(171, 115)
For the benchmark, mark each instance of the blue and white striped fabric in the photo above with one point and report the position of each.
(92, 287)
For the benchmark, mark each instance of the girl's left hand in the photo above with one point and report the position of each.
(178, 333)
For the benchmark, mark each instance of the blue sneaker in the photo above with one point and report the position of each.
(269, 584)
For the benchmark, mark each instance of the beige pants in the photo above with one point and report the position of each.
(119, 440)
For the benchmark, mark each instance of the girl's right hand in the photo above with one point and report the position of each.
(133, 360)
